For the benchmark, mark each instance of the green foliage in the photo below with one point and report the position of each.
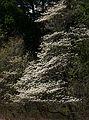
(9, 19)
(11, 16)
(79, 12)
(78, 72)
(6, 10)
(14, 20)
(82, 11)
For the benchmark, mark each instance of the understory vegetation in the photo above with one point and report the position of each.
(78, 70)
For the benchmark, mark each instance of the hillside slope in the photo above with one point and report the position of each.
(44, 91)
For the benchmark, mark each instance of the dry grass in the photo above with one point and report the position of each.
(12, 65)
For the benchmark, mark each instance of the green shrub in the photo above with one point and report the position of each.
(82, 12)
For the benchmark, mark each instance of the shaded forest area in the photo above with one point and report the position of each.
(17, 17)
